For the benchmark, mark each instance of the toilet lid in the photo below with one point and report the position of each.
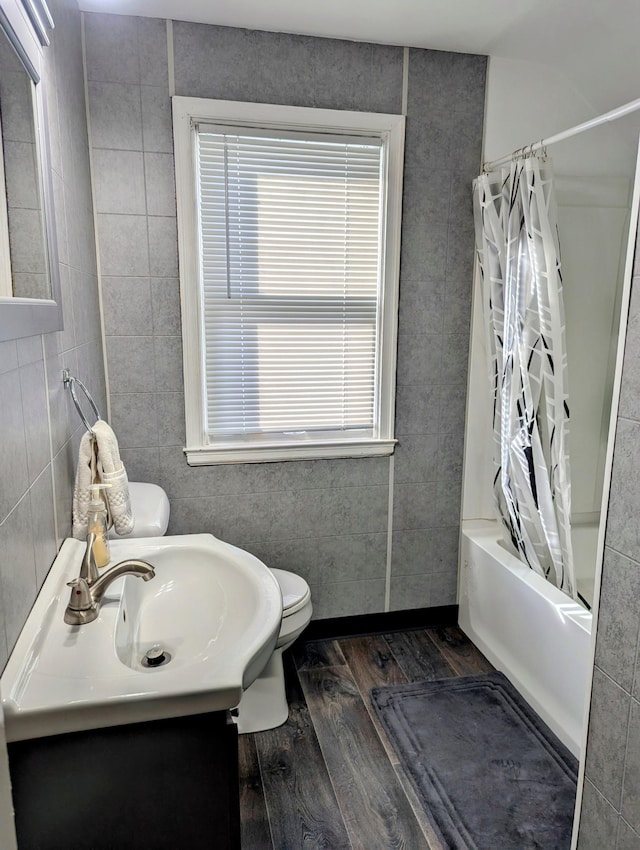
(295, 591)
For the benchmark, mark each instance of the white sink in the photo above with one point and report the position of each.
(213, 608)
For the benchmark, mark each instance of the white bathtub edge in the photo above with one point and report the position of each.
(520, 622)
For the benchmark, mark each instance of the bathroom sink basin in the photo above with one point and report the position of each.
(211, 616)
(197, 609)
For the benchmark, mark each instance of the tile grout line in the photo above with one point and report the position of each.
(52, 475)
(103, 340)
(632, 828)
(171, 68)
(330, 488)
(27, 493)
(146, 217)
(405, 80)
(624, 760)
(387, 589)
(387, 585)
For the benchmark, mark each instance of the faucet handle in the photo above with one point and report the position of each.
(80, 599)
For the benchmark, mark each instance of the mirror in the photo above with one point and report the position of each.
(29, 273)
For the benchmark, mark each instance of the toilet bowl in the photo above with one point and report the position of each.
(264, 703)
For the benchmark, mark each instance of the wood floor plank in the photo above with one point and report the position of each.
(329, 778)
(254, 820)
(462, 655)
(302, 806)
(373, 664)
(375, 808)
(317, 653)
(418, 656)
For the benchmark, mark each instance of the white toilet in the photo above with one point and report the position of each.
(264, 704)
(150, 506)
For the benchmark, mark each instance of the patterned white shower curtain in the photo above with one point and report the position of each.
(518, 250)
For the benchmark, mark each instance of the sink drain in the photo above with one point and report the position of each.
(156, 657)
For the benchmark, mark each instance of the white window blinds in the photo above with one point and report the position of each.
(290, 233)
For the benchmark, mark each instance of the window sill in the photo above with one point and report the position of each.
(208, 455)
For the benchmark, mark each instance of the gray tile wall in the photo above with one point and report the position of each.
(327, 520)
(40, 429)
(611, 801)
(442, 155)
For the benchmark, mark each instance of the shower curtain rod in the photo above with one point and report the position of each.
(528, 150)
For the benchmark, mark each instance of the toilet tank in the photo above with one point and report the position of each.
(150, 506)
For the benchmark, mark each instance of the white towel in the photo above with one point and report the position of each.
(99, 463)
(85, 473)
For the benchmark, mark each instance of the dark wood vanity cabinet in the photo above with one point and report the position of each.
(161, 785)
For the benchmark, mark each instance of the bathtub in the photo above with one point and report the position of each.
(531, 631)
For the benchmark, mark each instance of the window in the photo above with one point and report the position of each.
(288, 223)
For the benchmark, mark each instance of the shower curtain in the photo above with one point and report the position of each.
(519, 257)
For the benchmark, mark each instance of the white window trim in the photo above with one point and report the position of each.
(187, 111)
(15, 16)
(30, 45)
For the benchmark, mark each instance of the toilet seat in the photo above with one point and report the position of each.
(295, 592)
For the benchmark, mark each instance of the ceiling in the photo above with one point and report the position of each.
(595, 44)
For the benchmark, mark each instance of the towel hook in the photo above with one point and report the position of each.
(70, 381)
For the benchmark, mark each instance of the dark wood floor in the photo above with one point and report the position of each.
(329, 778)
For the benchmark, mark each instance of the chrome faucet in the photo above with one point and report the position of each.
(87, 591)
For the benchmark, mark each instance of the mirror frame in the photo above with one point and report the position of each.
(20, 317)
